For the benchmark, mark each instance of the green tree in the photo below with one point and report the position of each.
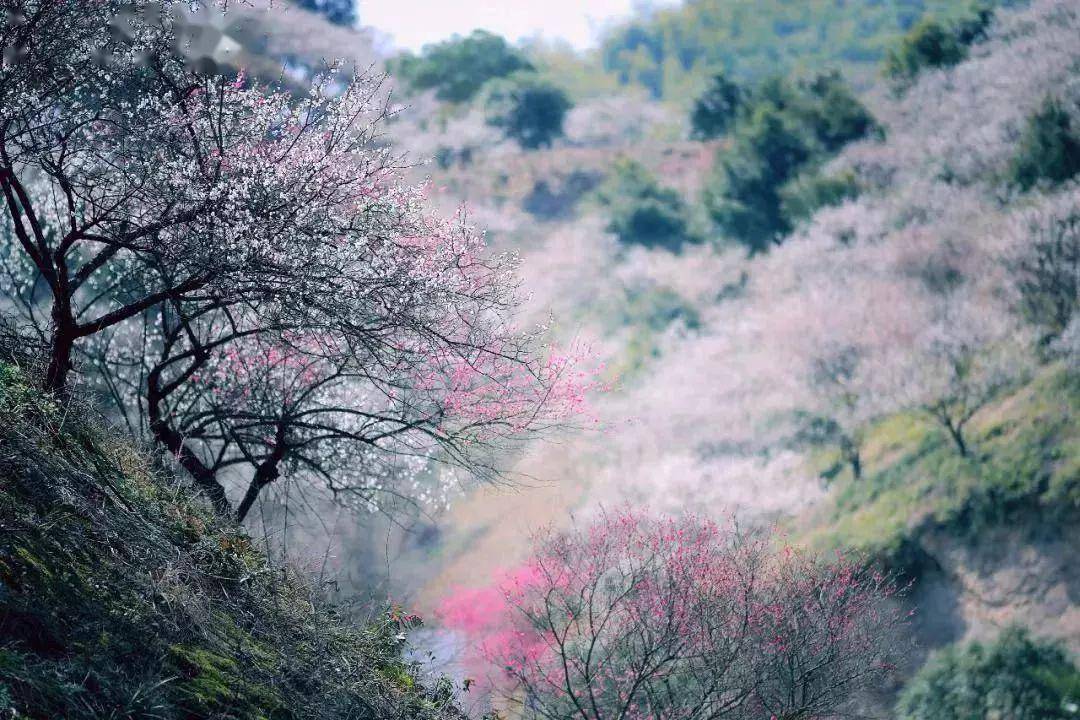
(1049, 149)
(1015, 677)
(784, 129)
(715, 110)
(642, 211)
(457, 68)
(929, 44)
(836, 116)
(529, 109)
(743, 195)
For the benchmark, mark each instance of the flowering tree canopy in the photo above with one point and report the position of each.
(244, 269)
(643, 617)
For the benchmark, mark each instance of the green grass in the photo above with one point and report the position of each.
(122, 596)
(1025, 457)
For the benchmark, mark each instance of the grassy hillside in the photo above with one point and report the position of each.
(1026, 457)
(123, 597)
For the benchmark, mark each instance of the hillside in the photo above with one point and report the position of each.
(122, 596)
(672, 51)
(720, 358)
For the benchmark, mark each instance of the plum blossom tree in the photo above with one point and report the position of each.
(645, 617)
(964, 360)
(245, 271)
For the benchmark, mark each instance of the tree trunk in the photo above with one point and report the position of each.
(202, 475)
(266, 473)
(61, 346)
(956, 432)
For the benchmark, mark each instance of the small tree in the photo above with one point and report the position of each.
(528, 109)
(963, 361)
(1049, 149)
(637, 616)
(1015, 676)
(715, 109)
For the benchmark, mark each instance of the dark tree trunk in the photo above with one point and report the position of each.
(265, 474)
(203, 476)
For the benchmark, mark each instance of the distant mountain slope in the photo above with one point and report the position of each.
(672, 50)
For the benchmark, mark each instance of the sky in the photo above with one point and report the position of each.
(411, 24)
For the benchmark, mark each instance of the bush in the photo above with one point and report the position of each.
(642, 211)
(715, 110)
(1015, 677)
(457, 68)
(528, 109)
(1049, 150)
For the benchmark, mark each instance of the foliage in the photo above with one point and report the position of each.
(929, 44)
(528, 109)
(247, 275)
(935, 43)
(785, 128)
(1015, 676)
(641, 616)
(810, 191)
(674, 52)
(715, 109)
(1049, 149)
(457, 68)
(339, 12)
(642, 211)
(122, 596)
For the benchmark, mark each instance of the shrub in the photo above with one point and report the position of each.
(715, 110)
(1015, 677)
(457, 68)
(528, 109)
(1049, 149)
(643, 212)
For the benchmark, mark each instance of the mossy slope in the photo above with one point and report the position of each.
(122, 597)
(1024, 462)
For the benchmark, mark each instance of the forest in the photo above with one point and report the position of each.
(727, 368)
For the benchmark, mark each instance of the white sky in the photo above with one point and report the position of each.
(414, 23)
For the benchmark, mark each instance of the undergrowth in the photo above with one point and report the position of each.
(123, 596)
